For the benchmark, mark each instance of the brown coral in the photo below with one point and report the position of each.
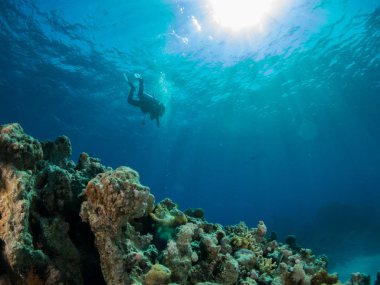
(158, 275)
(322, 277)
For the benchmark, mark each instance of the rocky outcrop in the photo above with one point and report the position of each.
(83, 223)
(113, 200)
(18, 149)
(36, 209)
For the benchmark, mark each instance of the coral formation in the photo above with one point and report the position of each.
(157, 274)
(166, 213)
(58, 151)
(359, 279)
(33, 227)
(113, 199)
(17, 148)
(83, 223)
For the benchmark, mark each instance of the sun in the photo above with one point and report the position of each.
(237, 15)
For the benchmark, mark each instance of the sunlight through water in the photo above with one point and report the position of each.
(228, 31)
(237, 15)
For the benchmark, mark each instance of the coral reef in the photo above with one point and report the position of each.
(360, 279)
(19, 149)
(157, 274)
(83, 223)
(113, 200)
(166, 213)
(39, 212)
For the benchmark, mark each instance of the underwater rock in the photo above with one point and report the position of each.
(18, 148)
(57, 152)
(53, 189)
(15, 209)
(322, 277)
(166, 213)
(85, 223)
(157, 275)
(358, 278)
(292, 242)
(245, 257)
(35, 206)
(197, 213)
(179, 255)
(88, 167)
(113, 200)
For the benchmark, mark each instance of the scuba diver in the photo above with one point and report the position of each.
(146, 102)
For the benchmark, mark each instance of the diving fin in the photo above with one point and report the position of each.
(138, 75)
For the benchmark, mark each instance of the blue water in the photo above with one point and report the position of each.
(280, 123)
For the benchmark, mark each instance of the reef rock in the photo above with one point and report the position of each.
(35, 206)
(113, 199)
(18, 148)
(57, 152)
(83, 223)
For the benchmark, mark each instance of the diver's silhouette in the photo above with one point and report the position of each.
(146, 102)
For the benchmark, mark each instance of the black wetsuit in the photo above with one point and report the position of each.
(146, 102)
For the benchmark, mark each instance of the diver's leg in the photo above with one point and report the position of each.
(132, 101)
(141, 88)
(126, 78)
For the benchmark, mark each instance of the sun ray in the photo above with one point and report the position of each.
(237, 15)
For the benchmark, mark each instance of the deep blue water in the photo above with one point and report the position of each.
(279, 123)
